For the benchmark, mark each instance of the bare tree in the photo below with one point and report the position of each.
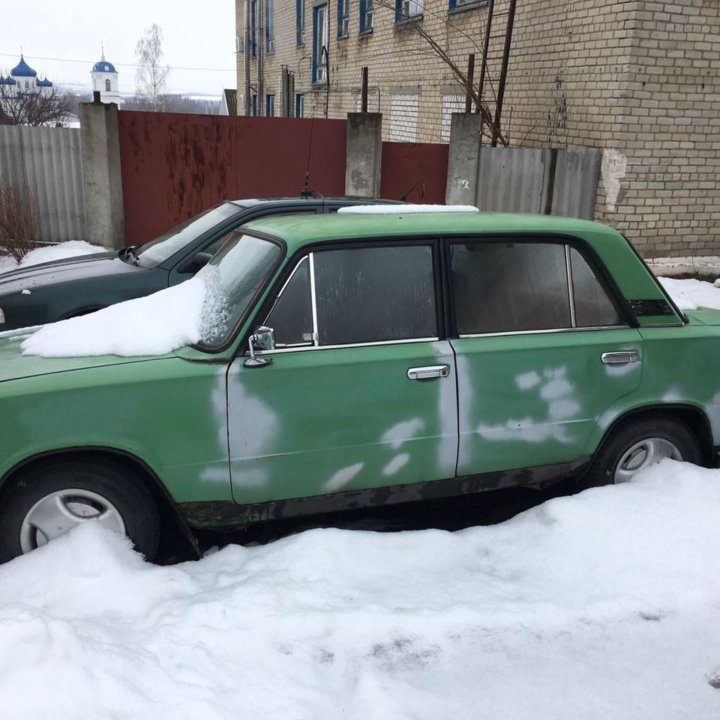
(151, 75)
(41, 108)
(437, 47)
(18, 219)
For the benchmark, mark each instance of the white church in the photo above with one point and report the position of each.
(23, 80)
(105, 81)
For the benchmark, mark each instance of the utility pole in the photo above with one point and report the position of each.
(503, 72)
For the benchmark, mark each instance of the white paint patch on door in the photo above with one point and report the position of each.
(342, 477)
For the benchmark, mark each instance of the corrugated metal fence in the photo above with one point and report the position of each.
(517, 179)
(555, 182)
(49, 161)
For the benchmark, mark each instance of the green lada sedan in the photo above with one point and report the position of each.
(334, 362)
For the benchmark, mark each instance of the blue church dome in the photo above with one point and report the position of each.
(104, 66)
(7, 81)
(44, 83)
(22, 69)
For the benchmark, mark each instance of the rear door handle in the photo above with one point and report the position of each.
(427, 372)
(623, 357)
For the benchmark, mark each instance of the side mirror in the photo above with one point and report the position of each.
(262, 339)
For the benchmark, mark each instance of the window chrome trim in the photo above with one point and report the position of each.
(349, 345)
(548, 330)
(313, 301)
(571, 286)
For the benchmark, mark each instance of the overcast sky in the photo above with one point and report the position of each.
(62, 39)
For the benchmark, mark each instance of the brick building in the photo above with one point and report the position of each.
(639, 79)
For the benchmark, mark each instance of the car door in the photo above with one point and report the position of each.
(360, 393)
(543, 350)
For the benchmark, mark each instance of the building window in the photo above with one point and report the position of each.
(320, 44)
(270, 106)
(269, 27)
(406, 10)
(462, 4)
(366, 16)
(300, 21)
(343, 18)
(107, 86)
(254, 106)
(253, 28)
(299, 105)
(403, 117)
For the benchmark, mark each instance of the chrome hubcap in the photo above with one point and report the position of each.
(644, 453)
(61, 511)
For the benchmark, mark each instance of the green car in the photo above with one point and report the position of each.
(363, 359)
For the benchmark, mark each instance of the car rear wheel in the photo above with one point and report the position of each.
(637, 444)
(51, 499)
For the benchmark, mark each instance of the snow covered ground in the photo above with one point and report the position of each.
(602, 605)
(50, 253)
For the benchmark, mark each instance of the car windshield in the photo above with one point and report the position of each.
(155, 252)
(232, 279)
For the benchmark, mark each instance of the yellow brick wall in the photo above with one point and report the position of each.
(638, 78)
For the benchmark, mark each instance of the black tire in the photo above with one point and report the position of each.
(115, 489)
(624, 447)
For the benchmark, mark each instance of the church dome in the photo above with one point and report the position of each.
(104, 66)
(22, 69)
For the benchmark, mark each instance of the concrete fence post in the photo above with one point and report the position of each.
(363, 154)
(102, 176)
(463, 159)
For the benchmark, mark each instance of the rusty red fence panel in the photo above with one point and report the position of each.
(174, 165)
(416, 172)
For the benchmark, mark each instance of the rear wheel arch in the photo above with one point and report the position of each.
(686, 424)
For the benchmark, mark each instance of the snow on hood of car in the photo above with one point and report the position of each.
(601, 605)
(403, 209)
(61, 251)
(152, 325)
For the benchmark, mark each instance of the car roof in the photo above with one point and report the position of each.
(297, 231)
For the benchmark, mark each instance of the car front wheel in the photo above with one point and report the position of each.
(637, 444)
(49, 500)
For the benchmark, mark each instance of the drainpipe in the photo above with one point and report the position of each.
(246, 54)
(260, 52)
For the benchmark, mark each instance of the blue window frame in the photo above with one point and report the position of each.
(269, 106)
(366, 16)
(269, 27)
(343, 14)
(253, 28)
(460, 4)
(299, 105)
(300, 21)
(320, 44)
(406, 10)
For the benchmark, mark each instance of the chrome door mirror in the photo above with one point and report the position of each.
(262, 339)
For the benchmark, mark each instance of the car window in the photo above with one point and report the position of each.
(525, 286)
(509, 287)
(361, 295)
(593, 307)
(156, 252)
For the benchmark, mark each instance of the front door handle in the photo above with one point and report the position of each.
(624, 357)
(428, 372)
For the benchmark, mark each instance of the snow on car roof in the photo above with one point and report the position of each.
(395, 209)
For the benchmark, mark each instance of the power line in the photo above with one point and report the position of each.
(34, 58)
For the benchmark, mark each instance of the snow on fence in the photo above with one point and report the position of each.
(49, 161)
